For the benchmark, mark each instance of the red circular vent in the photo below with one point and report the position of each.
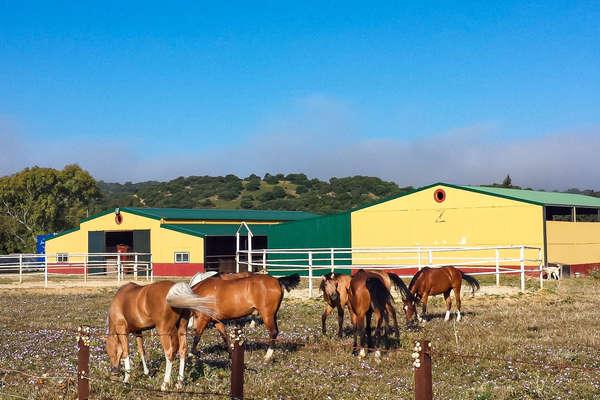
(118, 219)
(439, 195)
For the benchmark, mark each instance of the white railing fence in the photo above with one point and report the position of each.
(85, 265)
(481, 260)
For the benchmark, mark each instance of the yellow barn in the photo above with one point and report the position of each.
(181, 241)
(564, 226)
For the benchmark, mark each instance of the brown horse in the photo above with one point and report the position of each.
(163, 305)
(335, 293)
(369, 295)
(432, 281)
(240, 297)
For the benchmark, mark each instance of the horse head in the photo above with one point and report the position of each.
(410, 309)
(329, 286)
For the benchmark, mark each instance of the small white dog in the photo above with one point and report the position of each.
(553, 272)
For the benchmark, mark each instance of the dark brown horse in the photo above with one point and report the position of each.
(335, 293)
(369, 295)
(163, 305)
(238, 298)
(432, 281)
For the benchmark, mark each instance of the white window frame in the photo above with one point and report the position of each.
(184, 257)
(62, 257)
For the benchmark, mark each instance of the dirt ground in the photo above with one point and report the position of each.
(72, 286)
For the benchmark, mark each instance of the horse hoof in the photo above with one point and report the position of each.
(362, 353)
(179, 385)
(252, 324)
(114, 377)
(163, 387)
(269, 354)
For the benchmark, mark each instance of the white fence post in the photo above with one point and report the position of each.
(523, 269)
(497, 267)
(332, 261)
(118, 269)
(85, 262)
(310, 273)
(135, 267)
(151, 270)
(264, 261)
(20, 268)
(237, 253)
(419, 257)
(429, 258)
(541, 269)
(46, 270)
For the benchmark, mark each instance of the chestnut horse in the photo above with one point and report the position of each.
(368, 294)
(237, 298)
(335, 293)
(163, 305)
(432, 281)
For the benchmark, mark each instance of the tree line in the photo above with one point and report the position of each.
(38, 201)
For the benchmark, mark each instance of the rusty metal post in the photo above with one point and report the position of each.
(422, 367)
(237, 364)
(83, 363)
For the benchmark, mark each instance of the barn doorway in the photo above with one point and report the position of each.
(219, 251)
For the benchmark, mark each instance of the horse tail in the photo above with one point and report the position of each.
(400, 286)
(289, 282)
(474, 283)
(181, 295)
(380, 295)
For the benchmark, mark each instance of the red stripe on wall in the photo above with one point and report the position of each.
(177, 269)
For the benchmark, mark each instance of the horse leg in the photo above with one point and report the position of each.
(340, 310)
(167, 344)
(354, 331)
(328, 310)
(448, 304)
(181, 338)
(457, 295)
(124, 345)
(201, 323)
(221, 329)
(424, 299)
(368, 332)
(360, 327)
(271, 324)
(378, 322)
(140, 345)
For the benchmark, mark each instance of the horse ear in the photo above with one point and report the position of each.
(332, 275)
(324, 278)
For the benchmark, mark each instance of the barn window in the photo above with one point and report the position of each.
(439, 195)
(62, 257)
(587, 214)
(182, 257)
(558, 213)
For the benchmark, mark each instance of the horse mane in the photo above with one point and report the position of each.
(414, 279)
(400, 286)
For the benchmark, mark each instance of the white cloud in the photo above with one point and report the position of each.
(323, 137)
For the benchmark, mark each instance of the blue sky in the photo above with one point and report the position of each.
(463, 92)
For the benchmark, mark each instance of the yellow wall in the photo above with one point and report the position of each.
(163, 242)
(464, 218)
(573, 242)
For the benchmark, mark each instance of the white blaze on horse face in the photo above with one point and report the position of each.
(447, 317)
(269, 354)
(252, 324)
(458, 315)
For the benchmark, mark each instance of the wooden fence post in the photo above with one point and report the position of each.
(237, 364)
(83, 363)
(422, 367)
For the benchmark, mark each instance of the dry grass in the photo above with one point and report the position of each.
(541, 331)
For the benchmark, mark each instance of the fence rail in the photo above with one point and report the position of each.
(77, 265)
(486, 260)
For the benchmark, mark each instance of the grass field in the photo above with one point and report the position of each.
(552, 337)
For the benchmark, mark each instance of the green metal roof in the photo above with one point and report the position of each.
(207, 214)
(539, 197)
(203, 230)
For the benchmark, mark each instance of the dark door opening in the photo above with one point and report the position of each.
(219, 252)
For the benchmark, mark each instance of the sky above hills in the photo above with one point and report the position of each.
(463, 92)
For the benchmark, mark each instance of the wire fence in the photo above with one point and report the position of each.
(419, 355)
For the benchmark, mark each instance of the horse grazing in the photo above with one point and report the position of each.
(238, 298)
(335, 293)
(432, 281)
(163, 305)
(368, 295)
